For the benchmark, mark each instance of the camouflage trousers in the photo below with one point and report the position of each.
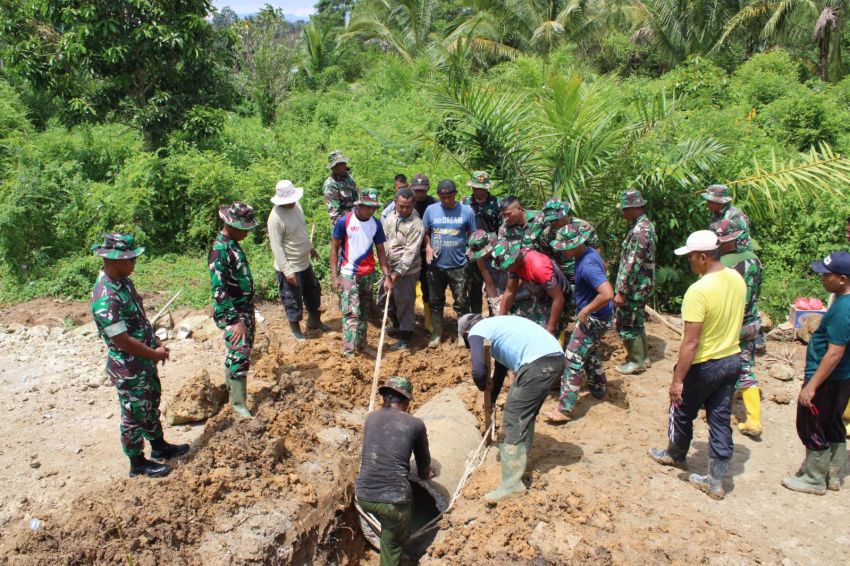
(138, 397)
(539, 310)
(355, 300)
(237, 360)
(747, 370)
(455, 279)
(583, 363)
(629, 319)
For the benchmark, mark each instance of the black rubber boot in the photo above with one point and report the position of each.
(314, 322)
(295, 327)
(141, 466)
(162, 450)
(403, 343)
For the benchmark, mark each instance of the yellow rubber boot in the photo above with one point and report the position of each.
(426, 308)
(752, 404)
(846, 418)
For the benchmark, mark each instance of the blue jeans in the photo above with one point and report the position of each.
(710, 383)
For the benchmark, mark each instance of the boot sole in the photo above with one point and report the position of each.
(156, 475)
(670, 462)
(507, 496)
(810, 491)
(752, 433)
(706, 489)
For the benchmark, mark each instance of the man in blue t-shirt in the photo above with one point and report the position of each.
(826, 389)
(594, 294)
(536, 359)
(448, 225)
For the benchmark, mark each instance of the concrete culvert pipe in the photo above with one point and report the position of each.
(453, 438)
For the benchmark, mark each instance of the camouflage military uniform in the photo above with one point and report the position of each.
(583, 362)
(340, 195)
(539, 235)
(355, 297)
(487, 218)
(737, 216)
(751, 270)
(635, 278)
(233, 301)
(516, 232)
(117, 308)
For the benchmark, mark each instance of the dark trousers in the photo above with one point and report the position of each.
(395, 527)
(305, 291)
(710, 383)
(821, 424)
(455, 279)
(474, 284)
(527, 394)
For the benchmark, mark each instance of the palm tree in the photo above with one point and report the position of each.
(403, 26)
(787, 19)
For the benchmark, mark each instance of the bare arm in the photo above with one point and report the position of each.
(489, 284)
(334, 258)
(557, 308)
(604, 293)
(385, 266)
(127, 343)
(508, 298)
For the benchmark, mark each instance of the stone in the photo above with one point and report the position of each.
(554, 540)
(808, 324)
(335, 436)
(162, 334)
(35, 464)
(197, 400)
(190, 324)
(89, 329)
(165, 321)
(766, 322)
(782, 398)
(39, 331)
(782, 372)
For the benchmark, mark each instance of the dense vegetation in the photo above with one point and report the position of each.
(147, 117)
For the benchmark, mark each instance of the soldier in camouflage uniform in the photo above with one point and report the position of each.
(547, 284)
(339, 190)
(733, 254)
(593, 296)
(480, 253)
(515, 222)
(352, 266)
(487, 218)
(133, 352)
(635, 282)
(233, 298)
(542, 229)
(719, 202)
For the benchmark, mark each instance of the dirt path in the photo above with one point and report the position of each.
(278, 490)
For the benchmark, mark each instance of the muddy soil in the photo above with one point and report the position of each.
(278, 489)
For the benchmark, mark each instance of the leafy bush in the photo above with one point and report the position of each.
(767, 77)
(800, 118)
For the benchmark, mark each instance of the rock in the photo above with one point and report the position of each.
(16, 328)
(258, 316)
(56, 333)
(162, 334)
(35, 464)
(94, 381)
(190, 324)
(782, 372)
(766, 322)
(338, 437)
(197, 400)
(89, 329)
(165, 321)
(782, 398)
(808, 324)
(554, 540)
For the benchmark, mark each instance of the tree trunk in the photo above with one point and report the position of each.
(823, 47)
(835, 69)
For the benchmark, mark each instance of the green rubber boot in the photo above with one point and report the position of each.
(647, 363)
(838, 456)
(514, 458)
(437, 332)
(634, 359)
(238, 393)
(814, 479)
(529, 441)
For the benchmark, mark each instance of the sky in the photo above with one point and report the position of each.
(301, 8)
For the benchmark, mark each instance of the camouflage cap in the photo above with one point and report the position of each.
(335, 157)
(420, 182)
(717, 193)
(400, 385)
(728, 230)
(631, 199)
(238, 215)
(505, 254)
(480, 180)
(569, 237)
(118, 246)
(481, 243)
(555, 209)
(368, 197)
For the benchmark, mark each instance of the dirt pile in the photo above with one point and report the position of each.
(197, 400)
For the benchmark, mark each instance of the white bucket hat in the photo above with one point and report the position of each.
(699, 241)
(286, 193)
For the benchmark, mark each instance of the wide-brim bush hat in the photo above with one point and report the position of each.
(699, 241)
(505, 254)
(336, 157)
(631, 199)
(480, 180)
(117, 245)
(286, 193)
(238, 215)
(555, 209)
(728, 230)
(717, 193)
(570, 237)
(400, 385)
(368, 197)
(481, 243)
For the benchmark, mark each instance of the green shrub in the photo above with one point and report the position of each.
(767, 77)
(800, 118)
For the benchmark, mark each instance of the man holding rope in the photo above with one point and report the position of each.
(536, 358)
(390, 436)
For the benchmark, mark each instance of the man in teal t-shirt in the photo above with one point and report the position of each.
(826, 389)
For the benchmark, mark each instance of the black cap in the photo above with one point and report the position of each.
(446, 186)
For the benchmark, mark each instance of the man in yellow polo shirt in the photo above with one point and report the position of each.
(707, 368)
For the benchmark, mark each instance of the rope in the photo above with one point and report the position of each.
(378, 355)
